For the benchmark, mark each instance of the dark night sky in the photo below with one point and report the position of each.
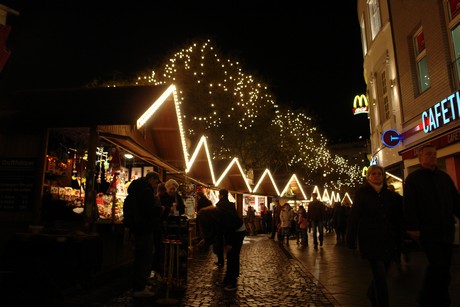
(309, 53)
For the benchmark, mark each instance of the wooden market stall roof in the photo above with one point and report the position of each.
(294, 189)
(144, 120)
(266, 185)
(116, 112)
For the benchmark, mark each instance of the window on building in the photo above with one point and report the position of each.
(456, 46)
(385, 109)
(423, 73)
(454, 26)
(363, 35)
(374, 16)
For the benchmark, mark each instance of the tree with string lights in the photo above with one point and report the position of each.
(240, 118)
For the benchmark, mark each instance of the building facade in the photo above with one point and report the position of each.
(411, 52)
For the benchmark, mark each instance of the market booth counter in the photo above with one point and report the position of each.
(176, 249)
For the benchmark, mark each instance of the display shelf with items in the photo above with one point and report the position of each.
(62, 184)
(66, 171)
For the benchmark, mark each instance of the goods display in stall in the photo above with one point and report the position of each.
(65, 179)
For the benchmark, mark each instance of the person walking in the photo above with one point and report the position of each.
(303, 225)
(250, 219)
(218, 242)
(339, 220)
(286, 217)
(224, 221)
(276, 218)
(148, 211)
(375, 222)
(431, 200)
(263, 212)
(201, 202)
(317, 214)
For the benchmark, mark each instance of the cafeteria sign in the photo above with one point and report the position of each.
(442, 113)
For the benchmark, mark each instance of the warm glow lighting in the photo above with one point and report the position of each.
(266, 173)
(155, 106)
(325, 197)
(202, 143)
(293, 178)
(234, 161)
(249, 99)
(347, 196)
(316, 190)
(395, 177)
(128, 156)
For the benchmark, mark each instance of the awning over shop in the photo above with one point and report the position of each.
(266, 185)
(115, 112)
(233, 178)
(200, 164)
(85, 106)
(294, 189)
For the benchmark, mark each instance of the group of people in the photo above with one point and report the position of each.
(376, 224)
(380, 218)
(222, 226)
(154, 202)
(300, 223)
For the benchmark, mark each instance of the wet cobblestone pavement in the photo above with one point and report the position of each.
(269, 276)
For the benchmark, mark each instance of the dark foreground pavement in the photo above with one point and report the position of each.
(271, 275)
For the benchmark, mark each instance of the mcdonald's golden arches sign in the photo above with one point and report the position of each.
(360, 104)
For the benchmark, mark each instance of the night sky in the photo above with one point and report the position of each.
(310, 57)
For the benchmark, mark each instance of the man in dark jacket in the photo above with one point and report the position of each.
(224, 221)
(148, 211)
(317, 214)
(375, 222)
(218, 242)
(431, 200)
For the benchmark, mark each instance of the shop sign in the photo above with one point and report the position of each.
(440, 142)
(360, 104)
(17, 178)
(391, 138)
(442, 113)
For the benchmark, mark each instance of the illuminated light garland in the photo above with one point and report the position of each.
(266, 173)
(251, 98)
(288, 185)
(233, 162)
(202, 143)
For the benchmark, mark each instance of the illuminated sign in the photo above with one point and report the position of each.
(360, 104)
(441, 113)
(391, 138)
(440, 142)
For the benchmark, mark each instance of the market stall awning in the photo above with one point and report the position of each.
(200, 164)
(233, 178)
(266, 185)
(294, 189)
(85, 106)
(116, 112)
